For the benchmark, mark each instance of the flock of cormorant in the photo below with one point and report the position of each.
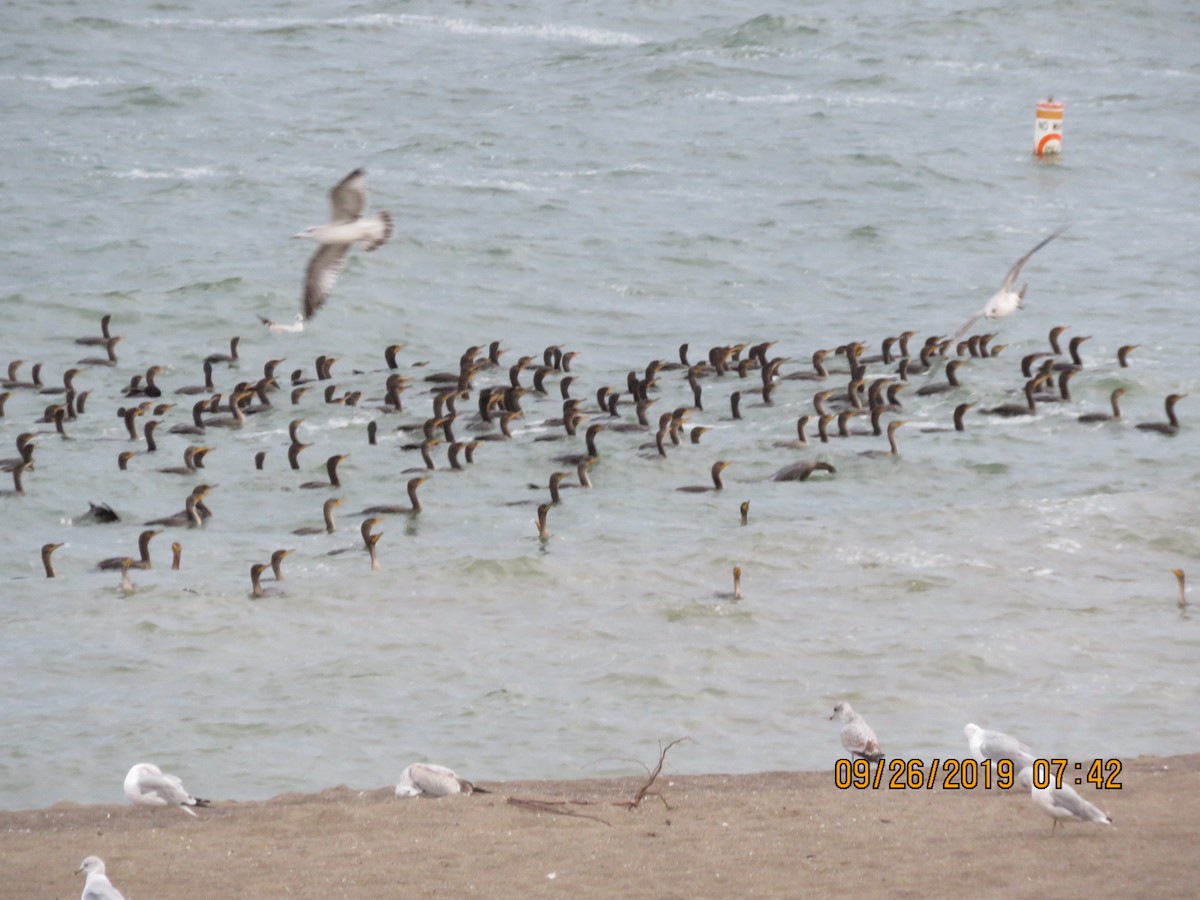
(483, 397)
(537, 398)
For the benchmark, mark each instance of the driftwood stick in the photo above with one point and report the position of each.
(552, 806)
(644, 791)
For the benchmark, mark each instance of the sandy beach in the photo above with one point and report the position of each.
(775, 834)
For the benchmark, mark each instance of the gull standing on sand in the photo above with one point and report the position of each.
(348, 200)
(996, 745)
(857, 736)
(1006, 300)
(427, 779)
(1063, 802)
(97, 886)
(146, 785)
(281, 328)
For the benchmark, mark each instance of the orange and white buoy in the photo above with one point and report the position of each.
(1047, 129)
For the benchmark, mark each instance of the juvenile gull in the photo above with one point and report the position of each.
(434, 781)
(1006, 300)
(146, 785)
(996, 745)
(1063, 802)
(348, 200)
(97, 886)
(857, 736)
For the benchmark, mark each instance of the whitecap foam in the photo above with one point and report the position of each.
(789, 99)
(62, 82)
(548, 32)
(185, 173)
(581, 34)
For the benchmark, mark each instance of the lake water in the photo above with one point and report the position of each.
(616, 182)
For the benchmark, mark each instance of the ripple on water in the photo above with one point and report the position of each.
(700, 609)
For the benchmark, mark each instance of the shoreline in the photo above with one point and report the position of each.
(770, 834)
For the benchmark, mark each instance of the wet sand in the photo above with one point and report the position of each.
(776, 834)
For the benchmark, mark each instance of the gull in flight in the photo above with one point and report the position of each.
(283, 328)
(1005, 301)
(1063, 802)
(348, 199)
(857, 736)
(146, 785)
(97, 886)
(433, 781)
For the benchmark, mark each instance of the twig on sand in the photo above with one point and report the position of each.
(552, 806)
(644, 791)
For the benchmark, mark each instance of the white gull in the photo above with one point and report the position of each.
(146, 785)
(433, 781)
(97, 886)
(996, 745)
(283, 328)
(1005, 301)
(1063, 803)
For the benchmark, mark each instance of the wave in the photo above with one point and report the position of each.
(548, 31)
(767, 30)
(185, 173)
(786, 99)
(222, 285)
(62, 82)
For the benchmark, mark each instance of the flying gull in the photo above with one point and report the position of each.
(97, 886)
(857, 736)
(1005, 301)
(427, 779)
(348, 200)
(146, 785)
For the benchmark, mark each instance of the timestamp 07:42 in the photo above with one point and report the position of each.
(969, 774)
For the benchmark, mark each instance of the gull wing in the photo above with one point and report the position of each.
(349, 197)
(1066, 799)
(963, 330)
(857, 737)
(996, 745)
(99, 889)
(322, 274)
(1015, 272)
(433, 780)
(168, 787)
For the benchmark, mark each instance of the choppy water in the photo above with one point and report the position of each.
(616, 182)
